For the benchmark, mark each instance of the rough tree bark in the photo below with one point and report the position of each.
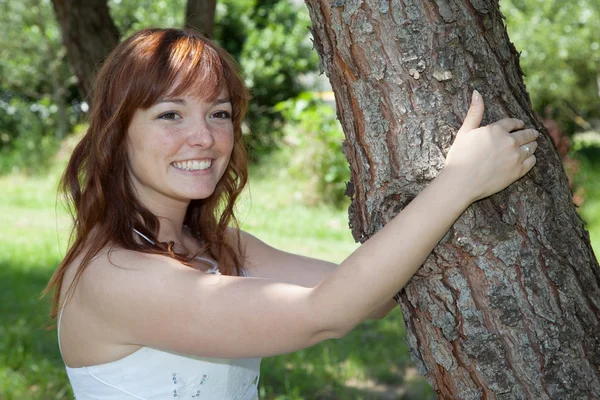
(88, 33)
(200, 15)
(507, 306)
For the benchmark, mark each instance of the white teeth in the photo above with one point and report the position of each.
(193, 165)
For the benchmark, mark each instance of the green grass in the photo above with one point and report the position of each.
(589, 178)
(369, 363)
(30, 365)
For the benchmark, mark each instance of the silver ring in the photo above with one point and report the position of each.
(527, 150)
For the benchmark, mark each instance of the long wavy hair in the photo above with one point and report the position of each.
(139, 71)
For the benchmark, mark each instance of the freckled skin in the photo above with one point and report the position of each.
(176, 130)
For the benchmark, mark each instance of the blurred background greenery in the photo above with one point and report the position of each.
(298, 174)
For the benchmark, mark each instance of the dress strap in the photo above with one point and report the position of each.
(214, 269)
(144, 236)
(58, 327)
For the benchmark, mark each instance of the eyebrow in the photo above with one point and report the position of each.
(182, 101)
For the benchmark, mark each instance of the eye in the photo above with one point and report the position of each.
(222, 115)
(169, 116)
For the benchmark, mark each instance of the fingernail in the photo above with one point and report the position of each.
(536, 133)
(476, 97)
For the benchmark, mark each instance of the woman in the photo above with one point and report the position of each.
(158, 295)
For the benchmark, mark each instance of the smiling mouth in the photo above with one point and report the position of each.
(192, 165)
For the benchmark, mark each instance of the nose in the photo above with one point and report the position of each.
(201, 135)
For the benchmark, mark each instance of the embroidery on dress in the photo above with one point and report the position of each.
(191, 389)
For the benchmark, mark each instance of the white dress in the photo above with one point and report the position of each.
(150, 373)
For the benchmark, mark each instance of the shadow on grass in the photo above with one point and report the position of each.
(371, 362)
(30, 362)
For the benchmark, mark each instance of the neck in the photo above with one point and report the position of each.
(170, 216)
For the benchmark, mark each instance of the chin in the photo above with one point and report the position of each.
(200, 194)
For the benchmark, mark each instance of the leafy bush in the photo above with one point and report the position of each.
(275, 55)
(560, 56)
(39, 103)
(313, 139)
(25, 143)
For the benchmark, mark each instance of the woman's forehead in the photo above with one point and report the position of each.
(220, 96)
(202, 89)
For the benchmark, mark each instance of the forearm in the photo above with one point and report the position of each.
(387, 261)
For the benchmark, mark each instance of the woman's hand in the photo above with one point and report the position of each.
(486, 160)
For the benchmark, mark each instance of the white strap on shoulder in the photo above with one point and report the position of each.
(144, 236)
(62, 308)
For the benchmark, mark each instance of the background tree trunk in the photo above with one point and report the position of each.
(89, 34)
(507, 306)
(200, 15)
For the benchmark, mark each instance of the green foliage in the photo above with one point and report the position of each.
(587, 142)
(233, 21)
(31, 52)
(131, 16)
(24, 142)
(560, 56)
(587, 153)
(313, 152)
(38, 97)
(277, 52)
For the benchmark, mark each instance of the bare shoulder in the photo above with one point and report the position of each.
(123, 278)
(121, 263)
(107, 289)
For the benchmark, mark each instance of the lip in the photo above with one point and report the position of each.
(193, 159)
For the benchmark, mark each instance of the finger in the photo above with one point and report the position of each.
(528, 164)
(527, 150)
(510, 124)
(475, 113)
(525, 136)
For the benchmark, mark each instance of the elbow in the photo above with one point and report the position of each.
(380, 314)
(384, 310)
(342, 331)
(331, 321)
(334, 333)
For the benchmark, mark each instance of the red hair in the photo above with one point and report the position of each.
(139, 71)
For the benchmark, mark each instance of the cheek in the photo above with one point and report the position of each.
(224, 137)
(230, 144)
(168, 142)
(158, 145)
(145, 151)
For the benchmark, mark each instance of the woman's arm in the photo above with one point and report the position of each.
(264, 261)
(154, 301)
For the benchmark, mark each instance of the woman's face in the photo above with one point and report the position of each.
(180, 147)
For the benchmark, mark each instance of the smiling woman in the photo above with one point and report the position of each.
(180, 148)
(161, 294)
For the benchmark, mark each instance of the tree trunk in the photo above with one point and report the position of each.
(507, 306)
(89, 34)
(200, 15)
